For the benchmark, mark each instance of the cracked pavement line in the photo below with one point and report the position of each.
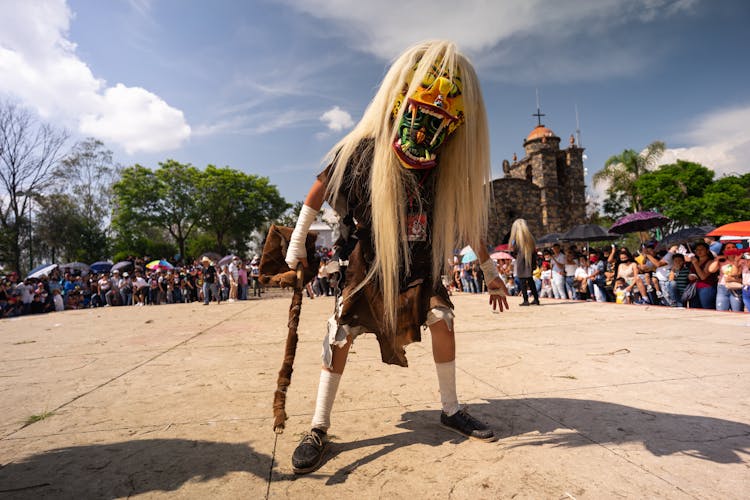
(139, 365)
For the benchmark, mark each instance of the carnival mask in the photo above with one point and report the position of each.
(432, 113)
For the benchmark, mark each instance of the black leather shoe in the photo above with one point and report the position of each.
(466, 425)
(524, 303)
(309, 454)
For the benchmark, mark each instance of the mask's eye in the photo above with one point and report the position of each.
(429, 78)
(456, 87)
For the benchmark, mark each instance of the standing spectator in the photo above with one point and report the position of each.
(255, 276)
(140, 289)
(571, 265)
(705, 278)
(522, 242)
(242, 280)
(154, 297)
(729, 286)
(210, 285)
(596, 276)
(224, 283)
(25, 290)
(558, 261)
(57, 300)
(126, 289)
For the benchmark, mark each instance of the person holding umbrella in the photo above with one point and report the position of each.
(522, 242)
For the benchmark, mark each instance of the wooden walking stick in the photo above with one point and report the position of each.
(287, 366)
(274, 271)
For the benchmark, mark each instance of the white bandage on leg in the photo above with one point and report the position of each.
(446, 373)
(296, 250)
(329, 384)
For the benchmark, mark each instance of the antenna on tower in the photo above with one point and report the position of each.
(578, 128)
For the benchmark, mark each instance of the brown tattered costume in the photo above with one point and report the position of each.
(362, 310)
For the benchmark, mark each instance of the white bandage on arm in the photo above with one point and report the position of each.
(489, 269)
(296, 250)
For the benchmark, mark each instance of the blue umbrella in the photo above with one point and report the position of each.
(469, 256)
(44, 269)
(101, 267)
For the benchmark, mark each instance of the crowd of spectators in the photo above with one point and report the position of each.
(708, 275)
(66, 288)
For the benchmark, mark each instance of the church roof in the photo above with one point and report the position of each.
(539, 132)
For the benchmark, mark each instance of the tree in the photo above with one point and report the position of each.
(89, 172)
(29, 153)
(169, 199)
(727, 200)
(235, 204)
(623, 170)
(687, 193)
(676, 190)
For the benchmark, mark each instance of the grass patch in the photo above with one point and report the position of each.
(37, 418)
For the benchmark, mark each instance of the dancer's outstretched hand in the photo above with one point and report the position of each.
(498, 294)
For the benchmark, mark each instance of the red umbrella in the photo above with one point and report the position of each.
(504, 247)
(740, 229)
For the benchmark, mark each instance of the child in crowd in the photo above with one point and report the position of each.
(546, 280)
(57, 300)
(622, 295)
(678, 277)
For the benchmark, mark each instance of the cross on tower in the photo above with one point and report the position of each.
(539, 116)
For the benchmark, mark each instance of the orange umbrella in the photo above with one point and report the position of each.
(740, 229)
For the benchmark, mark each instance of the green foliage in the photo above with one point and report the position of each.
(179, 200)
(621, 173)
(687, 193)
(168, 199)
(64, 231)
(200, 243)
(235, 204)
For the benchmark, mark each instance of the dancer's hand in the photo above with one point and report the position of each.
(498, 294)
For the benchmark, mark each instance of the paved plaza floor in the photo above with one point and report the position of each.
(589, 401)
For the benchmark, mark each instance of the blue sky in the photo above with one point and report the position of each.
(268, 86)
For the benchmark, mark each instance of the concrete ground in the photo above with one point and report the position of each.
(589, 400)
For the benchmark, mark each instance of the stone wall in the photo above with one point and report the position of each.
(513, 199)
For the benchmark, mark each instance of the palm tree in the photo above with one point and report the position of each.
(621, 171)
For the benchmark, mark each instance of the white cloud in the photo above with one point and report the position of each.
(41, 69)
(717, 140)
(546, 31)
(337, 119)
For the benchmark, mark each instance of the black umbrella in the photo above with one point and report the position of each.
(122, 266)
(588, 232)
(685, 235)
(549, 238)
(639, 221)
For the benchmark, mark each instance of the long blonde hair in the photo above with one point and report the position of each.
(522, 240)
(463, 175)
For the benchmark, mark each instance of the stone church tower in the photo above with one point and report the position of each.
(546, 187)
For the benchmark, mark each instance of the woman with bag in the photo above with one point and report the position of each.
(729, 286)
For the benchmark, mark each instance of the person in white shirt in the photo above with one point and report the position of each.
(558, 262)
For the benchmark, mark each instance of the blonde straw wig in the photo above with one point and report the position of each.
(522, 240)
(463, 173)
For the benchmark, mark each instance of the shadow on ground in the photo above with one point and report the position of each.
(123, 469)
(567, 423)
(132, 467)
